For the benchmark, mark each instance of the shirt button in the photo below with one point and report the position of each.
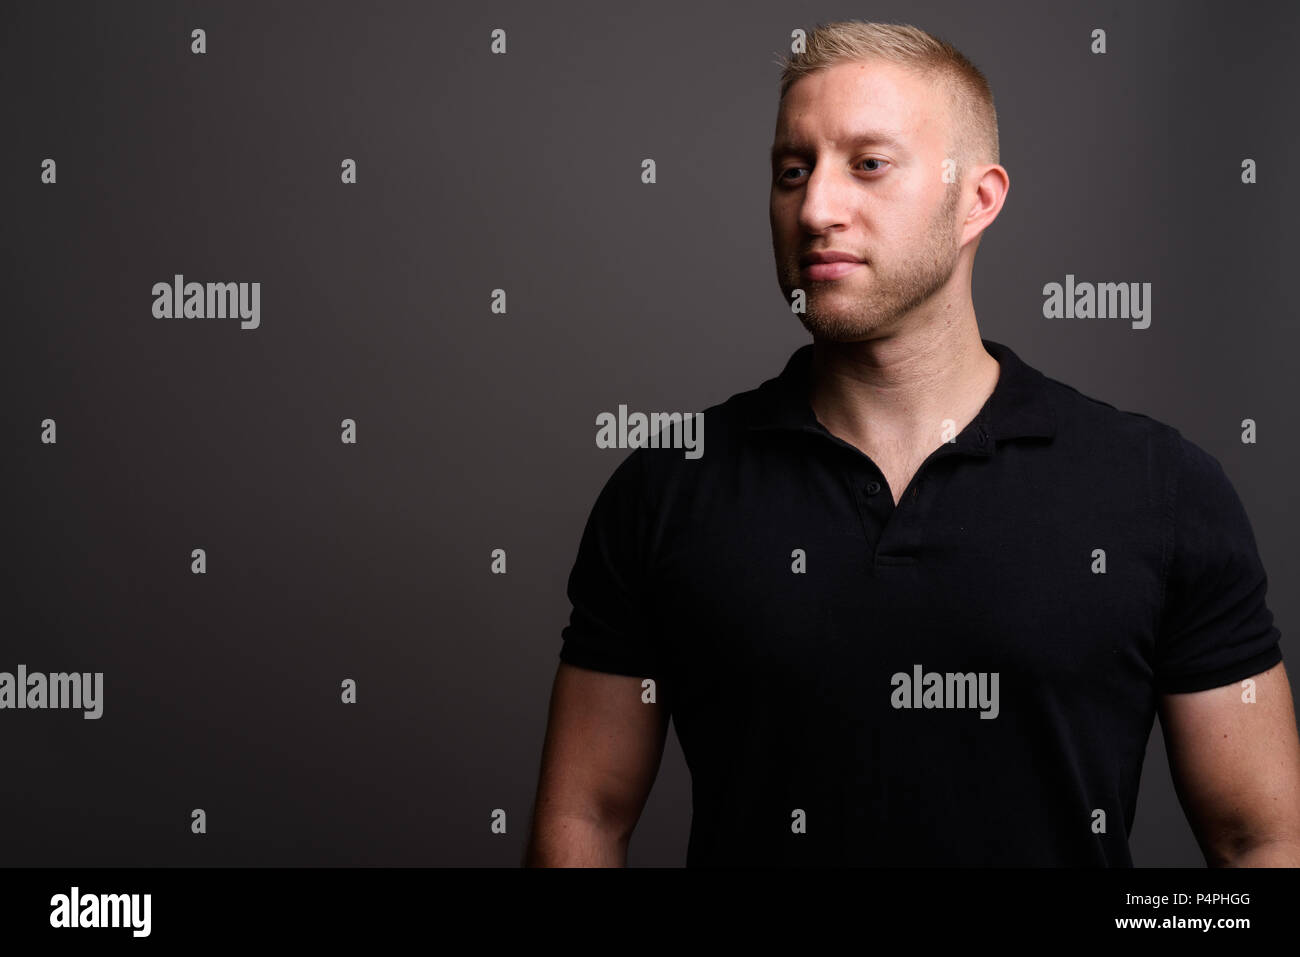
(873, 487)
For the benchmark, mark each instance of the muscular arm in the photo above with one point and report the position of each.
(1236, 769)
(599, 760)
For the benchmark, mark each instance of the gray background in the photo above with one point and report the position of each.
(476, 430)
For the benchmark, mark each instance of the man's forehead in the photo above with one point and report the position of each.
(804, 141)
(859, 107)
(878, 83)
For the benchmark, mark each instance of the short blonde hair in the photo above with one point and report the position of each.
(975, 137)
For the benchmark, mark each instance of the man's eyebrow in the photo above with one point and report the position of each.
(863, 138)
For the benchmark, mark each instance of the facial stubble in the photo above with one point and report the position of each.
(893, 289)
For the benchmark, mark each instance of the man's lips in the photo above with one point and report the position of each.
(830, 265)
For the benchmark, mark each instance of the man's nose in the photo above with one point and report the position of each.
(827, 195)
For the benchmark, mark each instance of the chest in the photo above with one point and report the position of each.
(898, 472)
(827, 580)
(898, 463)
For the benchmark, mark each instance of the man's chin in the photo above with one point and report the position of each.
(837, 329)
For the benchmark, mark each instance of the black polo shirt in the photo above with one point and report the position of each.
(969, 677)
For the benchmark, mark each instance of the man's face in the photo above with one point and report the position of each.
(883, 202)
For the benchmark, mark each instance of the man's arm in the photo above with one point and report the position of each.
(1236, 769)
(600, 758)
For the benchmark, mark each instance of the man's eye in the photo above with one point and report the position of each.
(785, 176)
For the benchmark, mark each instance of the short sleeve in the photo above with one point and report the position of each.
(1215, 626)
(609, 629)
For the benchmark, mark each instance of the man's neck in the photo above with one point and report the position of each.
(901, 396)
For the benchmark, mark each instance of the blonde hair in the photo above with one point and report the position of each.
(975, 119)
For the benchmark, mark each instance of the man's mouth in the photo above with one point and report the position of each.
(831, 270)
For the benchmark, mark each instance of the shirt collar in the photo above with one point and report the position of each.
(1020, 405)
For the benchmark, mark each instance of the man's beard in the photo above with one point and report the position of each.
(892, 292)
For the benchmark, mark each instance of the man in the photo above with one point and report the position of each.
(919, 604)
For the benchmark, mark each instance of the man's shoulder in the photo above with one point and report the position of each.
(1085, 417)
(725, 425)
(1113, 436)
(662, 471)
